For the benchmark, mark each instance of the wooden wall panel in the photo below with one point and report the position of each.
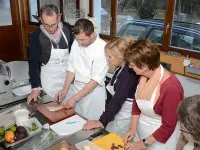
(176, 62)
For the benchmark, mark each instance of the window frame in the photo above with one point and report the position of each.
(167, 30)
(61, 10)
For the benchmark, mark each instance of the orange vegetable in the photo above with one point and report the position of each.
(9, 136)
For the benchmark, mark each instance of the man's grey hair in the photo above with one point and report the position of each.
(49, 9)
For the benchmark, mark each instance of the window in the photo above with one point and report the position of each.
(131, 30)
(5, 14)
(68, 8)
(105, 17)
(33, 8)
(186, 22)
(156, 35)
(174, 24)
(72, 12)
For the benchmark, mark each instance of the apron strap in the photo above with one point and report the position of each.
(129, 99)
(63, 37)
(116, 74)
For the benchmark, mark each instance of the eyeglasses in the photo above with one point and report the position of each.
(186, 131)
(50, 26)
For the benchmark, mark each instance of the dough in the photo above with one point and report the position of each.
(54, 108)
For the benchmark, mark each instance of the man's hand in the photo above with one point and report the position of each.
(91, 124)
(62, 93)
(71, 103)
(35, 95)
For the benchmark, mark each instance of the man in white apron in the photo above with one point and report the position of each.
(49, 52)
(87, 67)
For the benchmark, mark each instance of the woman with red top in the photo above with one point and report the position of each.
(154, 117)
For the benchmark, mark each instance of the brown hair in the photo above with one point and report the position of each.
(143, 53)
(189, 115)
(118, 46)
(83, 25)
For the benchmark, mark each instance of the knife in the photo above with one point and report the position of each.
(91, 137)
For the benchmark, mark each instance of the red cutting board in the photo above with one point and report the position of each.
(55, 116)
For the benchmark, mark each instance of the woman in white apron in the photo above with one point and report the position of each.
(154, 124)
(122, 87)
(53, 74)
(189, 114)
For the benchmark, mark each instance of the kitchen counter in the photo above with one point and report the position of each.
(47, 138)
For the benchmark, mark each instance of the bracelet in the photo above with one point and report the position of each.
(145, 143)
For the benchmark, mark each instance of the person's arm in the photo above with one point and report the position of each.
(70, 70)
(34, 66)
(131, 132)
(171, 100)
(88, 88)
(68, 80)
(125, 88)
(34, 60)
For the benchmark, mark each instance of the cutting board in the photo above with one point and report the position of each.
(55, 116)
(109, 140)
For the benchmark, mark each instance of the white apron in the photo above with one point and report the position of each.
(53, 74)
(92, 105)
(122, 119)
(189, 146)
(149, 122)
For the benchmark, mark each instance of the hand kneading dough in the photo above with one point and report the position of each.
(54, 108)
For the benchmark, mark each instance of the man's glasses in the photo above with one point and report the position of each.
(186, 131)
(51, 26)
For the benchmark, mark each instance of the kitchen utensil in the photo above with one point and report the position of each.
(21, 116)
(55, 116)
(109, 141)
(87, 143)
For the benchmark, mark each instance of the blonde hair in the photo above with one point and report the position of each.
(118, 46)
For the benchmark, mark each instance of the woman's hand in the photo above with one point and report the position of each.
(91, 124)
(138, 145)
(128, 136)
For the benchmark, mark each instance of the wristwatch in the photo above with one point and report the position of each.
(145, 143)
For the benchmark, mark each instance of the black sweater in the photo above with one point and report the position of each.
(40, 51)
(124, 88)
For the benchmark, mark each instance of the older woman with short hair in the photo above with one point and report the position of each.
(154, 116)
(189, 117)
